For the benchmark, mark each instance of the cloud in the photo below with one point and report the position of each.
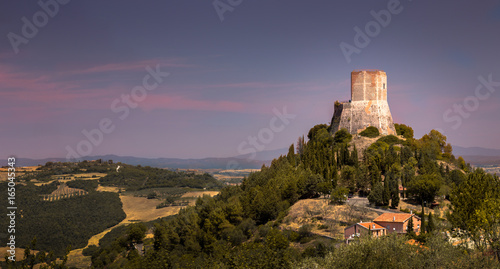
(173, 102)
(132, 66)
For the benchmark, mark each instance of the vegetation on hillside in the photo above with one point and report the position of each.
(50, 169)
(137, 178)
(240, 226)
(72, 220)
(62, 223)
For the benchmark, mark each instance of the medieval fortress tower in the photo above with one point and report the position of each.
(368, 105)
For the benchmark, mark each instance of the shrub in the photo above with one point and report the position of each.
(305, 230)
(404, 130)
(370, 131)
(342, 136)
(390, 139)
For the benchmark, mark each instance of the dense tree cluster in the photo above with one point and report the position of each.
(46, 172)
(476, 210)
(137, 178)
(62, 223)
(87, 185)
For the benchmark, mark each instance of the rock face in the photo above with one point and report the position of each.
(368, 105)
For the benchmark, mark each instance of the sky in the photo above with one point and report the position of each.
(195, 79)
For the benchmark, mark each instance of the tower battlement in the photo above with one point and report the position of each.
(368, 105)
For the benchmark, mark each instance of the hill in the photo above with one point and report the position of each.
(240, 162)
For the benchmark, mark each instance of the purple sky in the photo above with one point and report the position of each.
(226, 77)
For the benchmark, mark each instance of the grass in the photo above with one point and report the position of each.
(326, 220)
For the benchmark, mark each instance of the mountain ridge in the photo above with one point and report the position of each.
(474, 155)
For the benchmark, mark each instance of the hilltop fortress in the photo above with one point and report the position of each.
(368, 105)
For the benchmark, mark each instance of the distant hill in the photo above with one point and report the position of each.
(265, 155)
(475, 151)
(473, 155)
(482, 160)
(205, 163)
(478, 156)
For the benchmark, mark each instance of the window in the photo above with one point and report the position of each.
(383, 86)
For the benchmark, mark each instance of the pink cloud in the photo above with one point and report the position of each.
(261, 85)
(131, 66)
(56, 89)
(181, 103)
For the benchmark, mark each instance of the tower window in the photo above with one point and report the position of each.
(383, 86)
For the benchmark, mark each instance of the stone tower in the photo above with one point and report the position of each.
(368, 105)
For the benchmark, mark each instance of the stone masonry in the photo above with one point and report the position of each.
(368, 105)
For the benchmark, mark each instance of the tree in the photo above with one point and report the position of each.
(461, 164)
(435, 142)
(291, 156)
(475, 207)
(316, 133)
(386, 194)
(363, 181)
(136, 232)
(300, 145)
(410, 230)
(339, 195)
(425, 188)
(395, 197)
(342, 136)
(348, 178)
(276, 240)
(430, 223)
(354, 157)
(404, 130)
(392, 179)
(375, 196)
(325, 187)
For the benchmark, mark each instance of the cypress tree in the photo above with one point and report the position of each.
(430, 223)
(386, 195)
(410, 230)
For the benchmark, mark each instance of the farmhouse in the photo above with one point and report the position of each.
(398, 222)
(382, 225)
(363, 229)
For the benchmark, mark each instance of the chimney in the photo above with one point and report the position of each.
(394, 218)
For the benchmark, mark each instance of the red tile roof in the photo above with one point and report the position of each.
(369, 225)
(393, 217)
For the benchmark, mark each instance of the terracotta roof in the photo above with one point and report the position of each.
(393, 217)
(369, 225)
